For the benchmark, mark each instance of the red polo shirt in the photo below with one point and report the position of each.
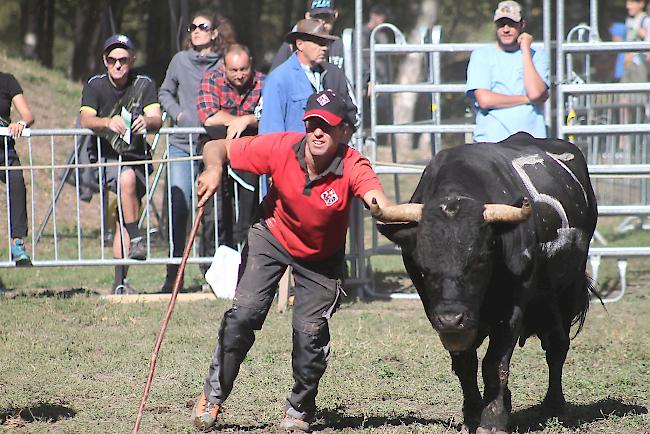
(309, 218)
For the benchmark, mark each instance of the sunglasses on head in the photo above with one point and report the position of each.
(113, 60)
(203, 26)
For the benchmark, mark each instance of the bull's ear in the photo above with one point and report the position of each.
(402, 234)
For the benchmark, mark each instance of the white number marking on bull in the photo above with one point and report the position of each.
(566, 235)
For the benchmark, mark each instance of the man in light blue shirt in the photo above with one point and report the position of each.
(508, 82)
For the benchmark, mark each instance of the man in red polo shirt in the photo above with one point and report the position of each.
(306, 215)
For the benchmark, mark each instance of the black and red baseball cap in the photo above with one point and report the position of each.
(326, 105)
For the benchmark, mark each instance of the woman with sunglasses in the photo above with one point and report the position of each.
(207, 35)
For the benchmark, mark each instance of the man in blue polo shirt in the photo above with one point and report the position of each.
(508, 81)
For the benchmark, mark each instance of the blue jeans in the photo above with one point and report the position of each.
(181, 177)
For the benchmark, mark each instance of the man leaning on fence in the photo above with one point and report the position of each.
(226, 105)
(508, 81)
(109, 103)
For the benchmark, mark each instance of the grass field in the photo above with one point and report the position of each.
(74, 363)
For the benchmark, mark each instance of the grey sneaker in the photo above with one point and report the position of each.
(123, 289)
(137, 249)
(204, 413)
(290, 423)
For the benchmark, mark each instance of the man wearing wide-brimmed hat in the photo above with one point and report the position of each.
(322, 10)
(307, 71)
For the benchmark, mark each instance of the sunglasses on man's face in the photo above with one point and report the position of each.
(314, 123)
(113, 60)
(203, 27)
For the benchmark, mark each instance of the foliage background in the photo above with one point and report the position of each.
(69, 33)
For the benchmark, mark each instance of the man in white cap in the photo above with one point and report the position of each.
(104, 99)
(508, 81)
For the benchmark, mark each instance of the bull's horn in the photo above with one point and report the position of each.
(498, 213)
(407, 212)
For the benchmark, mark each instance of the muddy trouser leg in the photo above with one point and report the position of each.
(317, 295)
(263, 263)
(17, 193)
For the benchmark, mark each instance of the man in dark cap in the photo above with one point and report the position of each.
(108, 103)
(315, 177)
(287, 88)
(324, 10)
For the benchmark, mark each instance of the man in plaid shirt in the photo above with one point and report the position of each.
(226, 104)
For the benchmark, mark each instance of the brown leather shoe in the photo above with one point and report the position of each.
(204, 413)
(290, 423)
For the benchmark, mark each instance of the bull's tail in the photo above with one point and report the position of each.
(583, 295)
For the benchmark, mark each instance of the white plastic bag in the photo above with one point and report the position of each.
(222, 274)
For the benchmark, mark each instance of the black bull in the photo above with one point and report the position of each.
(504, 277)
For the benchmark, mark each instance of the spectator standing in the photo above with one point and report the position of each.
(617, 32)
(226, 106)
(288, 87)
(12, 94)
(178, 93)
(315, 177)
(637, 26)
(508, 82)
(324, 10)
(104, 101)
(377, 15)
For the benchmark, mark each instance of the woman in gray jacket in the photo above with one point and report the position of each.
(203, 51)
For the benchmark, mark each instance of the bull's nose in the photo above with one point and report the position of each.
(448, 320)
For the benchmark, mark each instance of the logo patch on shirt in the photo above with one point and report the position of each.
(329, 197)
(323, 100)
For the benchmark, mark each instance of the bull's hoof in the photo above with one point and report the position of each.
(481, 430)
(555, 406)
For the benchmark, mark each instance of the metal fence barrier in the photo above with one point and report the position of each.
(66, 230)
(608, 121)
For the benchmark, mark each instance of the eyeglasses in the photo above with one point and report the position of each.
(113, 60)
(311, 124)
(203, 26)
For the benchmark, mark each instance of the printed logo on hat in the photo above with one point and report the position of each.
(321, 4)
(323, 100)
(329, 197)
(123, 39)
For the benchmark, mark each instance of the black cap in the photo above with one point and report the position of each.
(326, 105)
(316, 7)
(116, 41)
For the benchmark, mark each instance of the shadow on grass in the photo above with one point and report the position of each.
(49, 293)
(536, 417)
(335, 419)
(42, 412)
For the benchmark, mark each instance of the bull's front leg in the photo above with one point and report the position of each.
(465, 366)
(496, 372)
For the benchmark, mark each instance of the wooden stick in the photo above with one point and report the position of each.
(168, 314)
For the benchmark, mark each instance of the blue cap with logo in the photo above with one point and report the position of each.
(118, 41)
(316, 7)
